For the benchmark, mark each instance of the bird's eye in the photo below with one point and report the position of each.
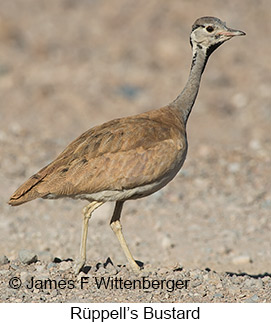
(210, 29)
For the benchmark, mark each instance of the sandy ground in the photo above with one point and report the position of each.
(66, 66)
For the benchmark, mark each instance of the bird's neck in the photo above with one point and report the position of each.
(185, 101)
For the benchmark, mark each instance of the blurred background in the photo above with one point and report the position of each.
(68, 65)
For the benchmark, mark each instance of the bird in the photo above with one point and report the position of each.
(131, 157)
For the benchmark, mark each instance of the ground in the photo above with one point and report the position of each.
(66, 66)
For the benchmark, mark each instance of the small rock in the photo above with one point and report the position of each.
(255, 144)
(108, 263)
(101, 270)
(109, 266)
(42, 276)
(166, 242)
(196, 283)
(91, 271)
(241, 260)
(204, 150)
(255, 298)
(196, 274)
(219, 285)
(266, 204)
(54, 293)
(266, 279)
(218, 295)
(99, 265)
(239, 100)
(40, 268)
(163, 270)
(234, 167)
(129, 91)
(4, 272)
(249, 282)
(25, 276)
(177, 266)
(3, 260)
(14, 266)
(51, 265)
(80, 275)
(27, 257)
(112, 271)
(252, 299)
(45, 256)
(65, 265)
(233, 290)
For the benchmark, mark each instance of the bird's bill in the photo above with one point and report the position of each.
(231, 32)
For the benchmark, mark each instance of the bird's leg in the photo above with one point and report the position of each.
(87, 211)
(116, 227)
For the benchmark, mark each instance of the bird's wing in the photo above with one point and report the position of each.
(120, 154)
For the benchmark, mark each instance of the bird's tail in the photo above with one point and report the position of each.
(27, 191)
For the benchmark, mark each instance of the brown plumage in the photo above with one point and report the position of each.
(131, 157)
(118, 155)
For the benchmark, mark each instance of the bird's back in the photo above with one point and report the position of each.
(123, 158)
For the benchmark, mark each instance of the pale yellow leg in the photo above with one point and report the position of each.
(87, 211)
(116, 227)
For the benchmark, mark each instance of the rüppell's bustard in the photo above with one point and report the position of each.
(127, 158)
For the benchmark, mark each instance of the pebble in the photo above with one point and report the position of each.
(163, 270)
(25, 276)
(266, 204)
(91, 271)
(196, 274)
(234, 167)
(54, 293)
(40, 268)
(166, 242)
(4, 272)
(252, 299)
(45, 256)
(266, 279)
(110, 268)
(239, 100)
(196, 284)
(42, 276)
(80, 275)
(241, 260)
(3, 260)
(101, 271)
(65, 265)
(233, 290)
(108, 263)
(99, 265)
(51, 265)
(255, 144)
(27, 257)
(249, 282)
(13, 266)
(218, 295)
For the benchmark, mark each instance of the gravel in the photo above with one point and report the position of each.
(62, 73)
(194, 285)
(3, 260)
(27, 257)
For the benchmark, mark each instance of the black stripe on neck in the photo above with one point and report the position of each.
(209, 51)
(212, 48)
(194, 59)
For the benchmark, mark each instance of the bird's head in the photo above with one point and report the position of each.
(209, 32)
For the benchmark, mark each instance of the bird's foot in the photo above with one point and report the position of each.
(135, 267)
(78, 266)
